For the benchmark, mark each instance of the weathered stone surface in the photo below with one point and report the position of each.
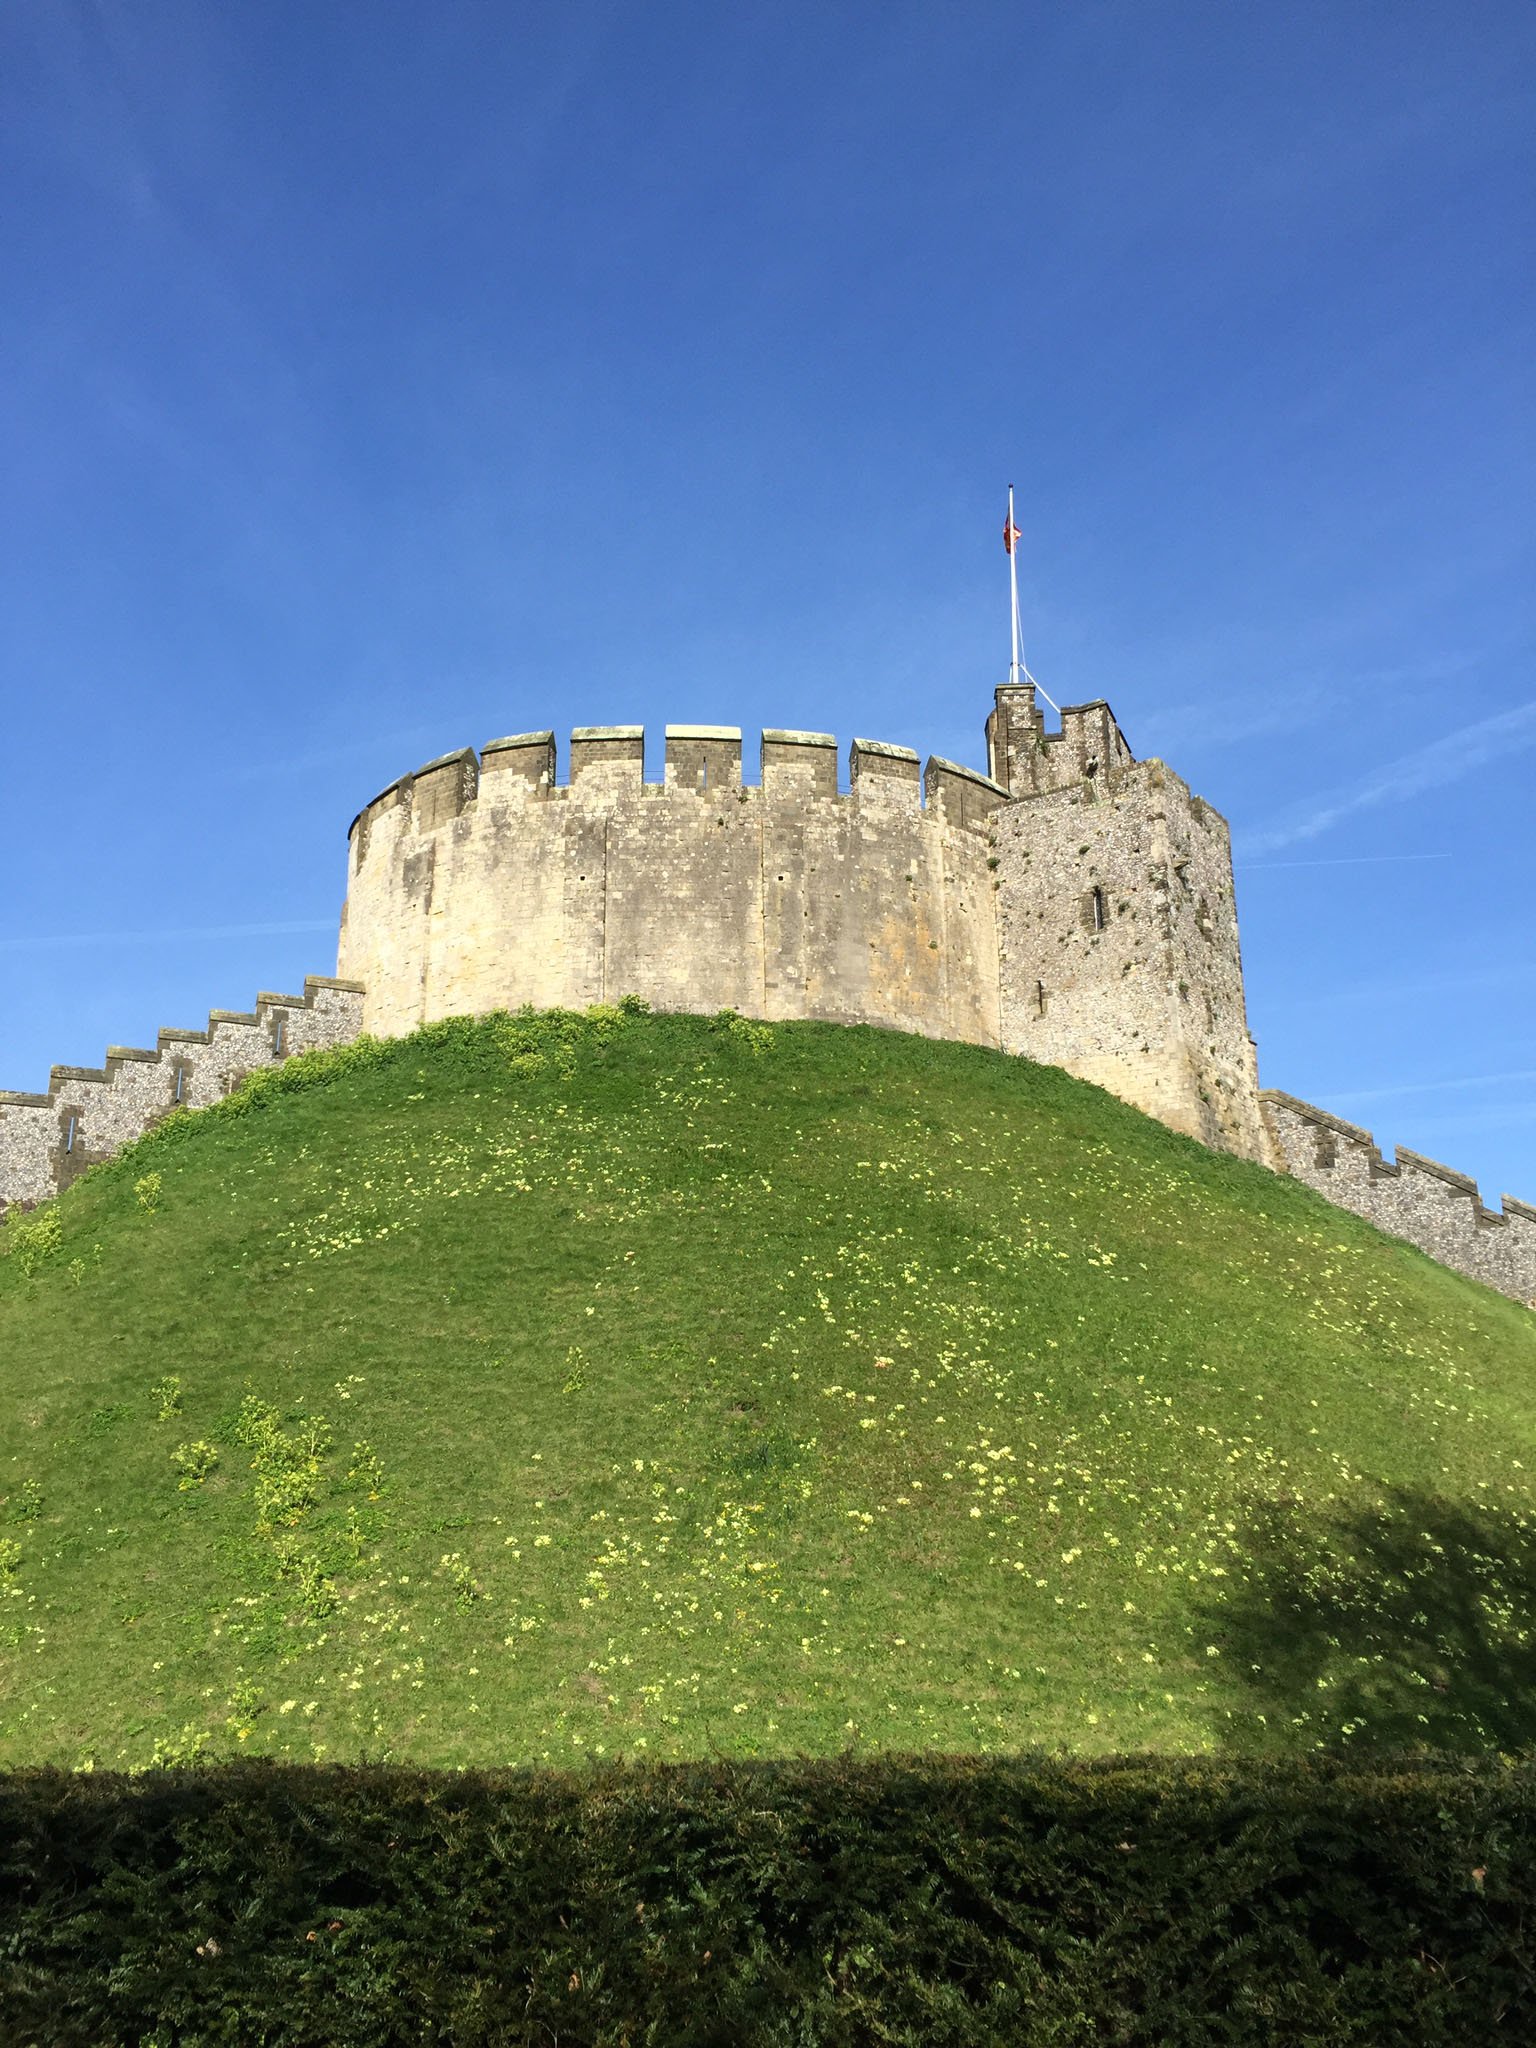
(89, 1113)
(1118, 935)
(1080, 911)
(781, 899)
(1431, 1206)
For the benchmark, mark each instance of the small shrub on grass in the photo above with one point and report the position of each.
(194, 1462)
(166, 1395)
(753, 1038)
(176, 1752)
(366, 1470)
(287, 1465)
(32, 1240)
(146, 1192)
(26, 1503)
(317, 1596)
(466, 1587)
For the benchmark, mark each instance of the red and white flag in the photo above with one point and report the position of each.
(1010, 533)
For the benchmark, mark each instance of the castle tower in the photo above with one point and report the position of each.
(1074, 906)
(1118, 954)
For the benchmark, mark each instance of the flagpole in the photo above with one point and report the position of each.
(1013, 588)
(1017, 671)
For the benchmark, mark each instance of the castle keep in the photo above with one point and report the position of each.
(1073, 905)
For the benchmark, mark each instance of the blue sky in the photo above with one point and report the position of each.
(378, 380)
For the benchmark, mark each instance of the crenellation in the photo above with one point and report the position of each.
(90, 1113)
(703, 758)
(608, 759)
(444, 788)
(966, 796)
(884, 774)
(522, 766)
(1430, 1205)
(1029, 761)
(799, 764)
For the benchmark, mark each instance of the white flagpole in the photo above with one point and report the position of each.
(1017, 671)
(1013, 587)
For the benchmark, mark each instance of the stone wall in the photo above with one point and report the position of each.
(1119, 954)
(482, 885)
(1414, 1198)
(89, 1113)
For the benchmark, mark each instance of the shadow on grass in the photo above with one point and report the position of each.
(1411, 1621)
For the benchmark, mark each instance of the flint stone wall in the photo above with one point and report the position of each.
(90, 1113)
(1410, 1197)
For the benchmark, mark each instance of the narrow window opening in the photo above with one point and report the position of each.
(181, 1081)
(1097, 910)
(279, 1034)
(69, 1132)
(703, 775)
(1040, 998)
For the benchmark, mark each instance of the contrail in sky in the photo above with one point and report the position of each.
(1348, 860)
(1443, 760)
(209, 931)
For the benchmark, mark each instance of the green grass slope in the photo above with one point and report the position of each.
(552, 1387)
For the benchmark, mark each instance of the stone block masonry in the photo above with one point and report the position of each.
(1410, 1197)
(1118, 947)
(470, 892)
(90, 1113)
(1075, 905)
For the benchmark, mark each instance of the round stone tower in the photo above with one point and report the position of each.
(1075, 906)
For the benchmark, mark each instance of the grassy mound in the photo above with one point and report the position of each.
(552, 1387)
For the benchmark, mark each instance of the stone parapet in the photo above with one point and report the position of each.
(779, 898)
(90, 1113)
(1430, 1205)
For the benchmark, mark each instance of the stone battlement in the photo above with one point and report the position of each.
(608, 761)
(1430, 1205)
(1075, 904)
(90, 1113)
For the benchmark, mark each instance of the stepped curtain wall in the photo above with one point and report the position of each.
(90, 1113)
(1411, 1197)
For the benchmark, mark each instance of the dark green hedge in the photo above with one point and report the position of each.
(923, 1901)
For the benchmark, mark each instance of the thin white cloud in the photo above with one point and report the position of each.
(1348, 860)
(1432, 1087)
(330, 757)
(1453, 980)
(1499, 1117)
(1446, 759)
(42, 940)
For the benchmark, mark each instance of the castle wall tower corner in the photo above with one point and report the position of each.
(1119, 957)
